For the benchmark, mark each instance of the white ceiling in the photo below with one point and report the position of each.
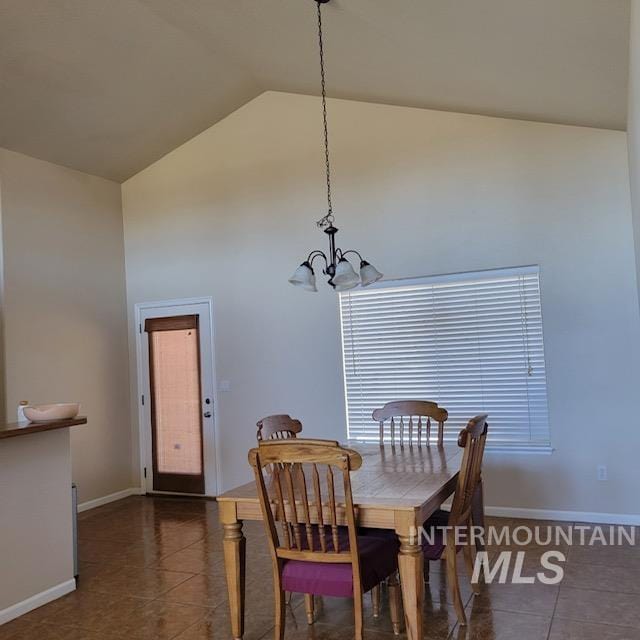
(109, 86)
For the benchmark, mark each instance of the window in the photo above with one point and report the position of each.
(471, 342)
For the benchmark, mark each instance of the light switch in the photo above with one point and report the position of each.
(224, 385)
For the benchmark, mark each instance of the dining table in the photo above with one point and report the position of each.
(396, 488)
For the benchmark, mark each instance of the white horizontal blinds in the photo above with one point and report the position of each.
(472, 343)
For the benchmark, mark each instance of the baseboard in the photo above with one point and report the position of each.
(112, 497)
(564, 516)
(20, 608)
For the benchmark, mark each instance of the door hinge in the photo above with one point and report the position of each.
(142, 399)
(145, 472)
(140, 328)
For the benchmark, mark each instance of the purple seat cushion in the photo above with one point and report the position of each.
(433, 547)
(386, 534)
(378, 560)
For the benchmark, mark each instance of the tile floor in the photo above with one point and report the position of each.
(151, 568)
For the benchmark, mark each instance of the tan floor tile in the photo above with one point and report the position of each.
(602, 607)
(16, 629)
(320, 631)
(186, 535)
(139, 582)
(572, 630)
(519, 598)
(96, 618)
(169, 551)
(162, 621)
(439, 621)
(259, 599)
(131, 526)
(125, 532)
(207, 630)
(502, 625)
(440, 566)
(82, 609)
(193, 560)
(613, 556)
(211, 543)
(260, 573)
(438, 590)
(602, 577)
(94, 576)
(216, 626)
(339, 612)
(201, 590)
(439, 618)
(125, 612)
(123, 553)
(54, 632)
(180, 505)
(52, 608)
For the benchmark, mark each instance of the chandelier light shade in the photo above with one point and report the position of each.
(368, 273)
(342, 275)
(345, 275)
(304, 277)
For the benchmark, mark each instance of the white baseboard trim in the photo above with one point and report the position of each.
(112, 497)
(564, 516)
(20, 608)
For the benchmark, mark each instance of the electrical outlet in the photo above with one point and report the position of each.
(602, 472)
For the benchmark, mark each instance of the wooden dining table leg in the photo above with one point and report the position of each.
(477, 514)
(411, 566)
(234, 552)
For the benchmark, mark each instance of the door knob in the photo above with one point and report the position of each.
(207, 414)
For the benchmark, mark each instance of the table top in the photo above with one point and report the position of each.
(391, 477)
(15, 429)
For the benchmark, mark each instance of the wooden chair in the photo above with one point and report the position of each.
(403, 414)
(472, 438)
(282, 427)
(304, 502)
(278, 427)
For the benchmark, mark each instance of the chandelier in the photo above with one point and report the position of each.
(342, 275)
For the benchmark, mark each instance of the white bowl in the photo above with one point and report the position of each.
(49, 412)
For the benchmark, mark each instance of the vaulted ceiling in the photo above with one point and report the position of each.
(109, 86)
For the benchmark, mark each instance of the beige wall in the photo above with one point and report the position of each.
(231, 213)
(36, 549)
(634, 124)
(63, 303)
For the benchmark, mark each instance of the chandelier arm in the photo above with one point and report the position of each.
(316, 254)
(344, 253)
(327, 220)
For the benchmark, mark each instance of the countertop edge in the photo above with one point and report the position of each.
(16, 429)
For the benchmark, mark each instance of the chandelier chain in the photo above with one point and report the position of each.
(325, 221)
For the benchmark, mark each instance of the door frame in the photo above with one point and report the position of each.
(212, 466)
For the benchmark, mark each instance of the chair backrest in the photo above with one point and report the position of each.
(472, 438)
(308, 494)
(278, 427)
(411, 418)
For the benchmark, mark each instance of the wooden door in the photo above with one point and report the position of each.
(176, 409)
